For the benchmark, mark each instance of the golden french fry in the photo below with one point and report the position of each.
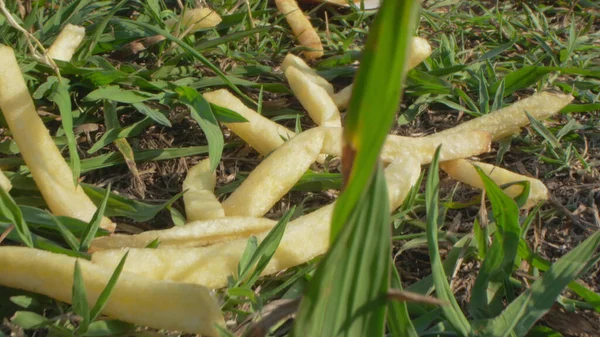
(463, 170)
(196, 19)
(302, 28)
(304, 239)
(314, 98)
(276, 175)
(66, 43)
(291, 60)
(51, 173)
(507, 121)
(259, 132)
(420, 49)
(199, 198)
(194, 234)
(135, 299)
(4, 182)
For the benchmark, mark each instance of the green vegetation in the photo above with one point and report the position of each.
(129, 124)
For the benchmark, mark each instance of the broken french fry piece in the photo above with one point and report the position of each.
(507, 121)
(259, 132)
(193, 234)
(276, 175)
(291, 60)
(301, 27)
(135, 299)
(199, 197)
(420, 49)
(66, 43)
(195, 19)
(317, 102)
(304, 239)
(4, 182)
(463, 171)
(51, 173)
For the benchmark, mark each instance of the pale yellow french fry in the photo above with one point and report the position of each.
(4, 182)
(314, 98)
(51, 173)
(196, 19)
(276, 175)
(291, 60)
(507, 121)
(259, 132)
(194, 234)
(463, 171)
(66, 43)
(301, 27)
(199, 197)
(135, 299)
(304, 239)
(420, 49)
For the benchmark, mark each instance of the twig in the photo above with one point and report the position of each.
(407, 296)
(6, 232)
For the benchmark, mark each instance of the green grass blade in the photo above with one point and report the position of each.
(348, 293)
(95, 36)
(202, 113)
(92, 228)
(12, 212)
(104, 296)
(520, 315)
(80, 302)
(66, 233)
(60, 96)
(398, 320)
(442, 288)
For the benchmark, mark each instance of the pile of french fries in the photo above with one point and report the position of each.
(194, 259)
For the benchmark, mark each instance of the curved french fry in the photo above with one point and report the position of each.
(193, 234)
(51, 173)
(134, 299)
(304, 239)
(420, 49)
(259, 132)
(66, 43)
(507, 121)
(291, 60)
(314, 98)
(196, 19)
(4, 182)
(463, 170)
(199, 198)
(301, 27)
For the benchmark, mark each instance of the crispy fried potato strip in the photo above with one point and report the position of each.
(507, 121)
(463, 170)
(196, 19)
(420, 49)
(194, 234)
(259, 132)
(134, 299)
(199, 198)
(304, 239)
(4, 182)
(317, 102)
(66, 43)
(291, 60)
(301, 27)
(51, 173)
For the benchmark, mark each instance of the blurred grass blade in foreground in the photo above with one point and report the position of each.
(348, 294)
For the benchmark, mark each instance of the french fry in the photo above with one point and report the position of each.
(301, 27)
(194, 234)
(463, 170)
(507, 121)
(317, 102)
(276, 175)
(259, 132)
(291, 60)
(134, 299)
(420, 49)
(304, 239)
(4, 182)
(195, 19)
(66, 43)
(51, 173)
(199, 198)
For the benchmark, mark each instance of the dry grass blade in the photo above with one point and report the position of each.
(407, 296)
